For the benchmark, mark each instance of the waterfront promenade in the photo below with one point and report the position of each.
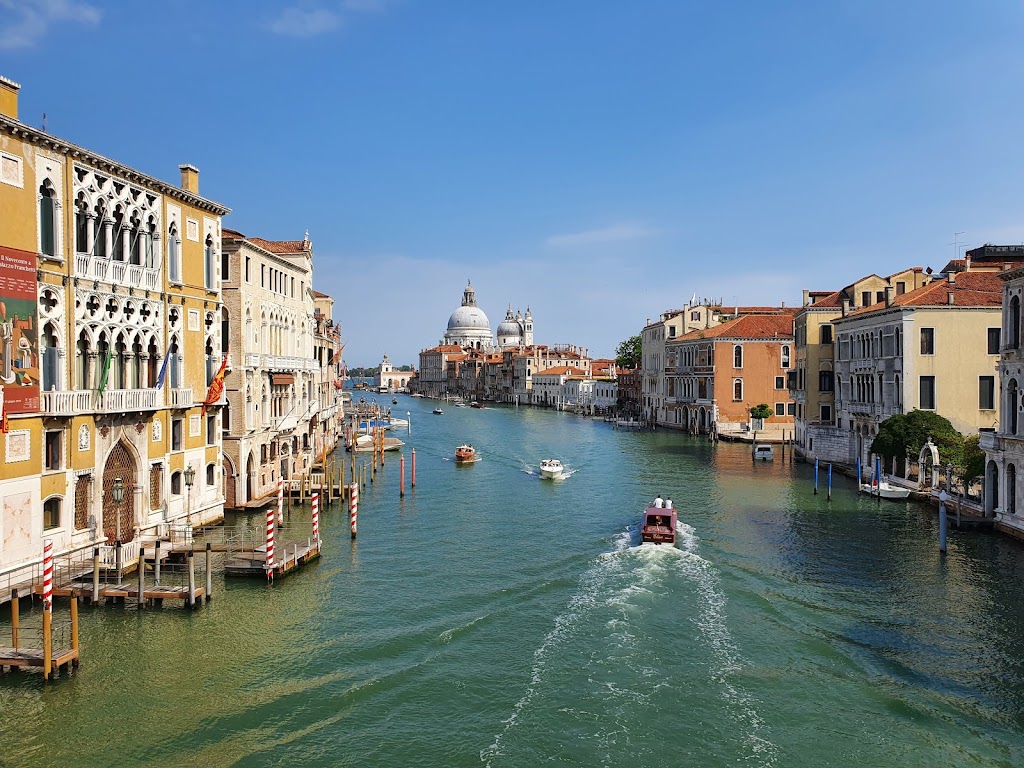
(490, 618)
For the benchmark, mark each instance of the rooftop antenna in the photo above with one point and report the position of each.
(44, 122)
(956, 244)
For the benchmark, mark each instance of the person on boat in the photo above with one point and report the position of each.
(659, 502)
(668, 503)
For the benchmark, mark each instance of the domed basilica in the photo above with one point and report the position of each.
(469, 327)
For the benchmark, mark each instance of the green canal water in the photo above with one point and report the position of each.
(491, 618)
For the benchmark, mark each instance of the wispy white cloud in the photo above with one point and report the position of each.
(311, 20)
(303, 22)
(23, 23)
(613, 234)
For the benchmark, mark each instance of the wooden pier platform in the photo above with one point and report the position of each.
(289, 557)
(33, 657)
(153, 594)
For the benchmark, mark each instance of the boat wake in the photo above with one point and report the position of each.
(623, 681)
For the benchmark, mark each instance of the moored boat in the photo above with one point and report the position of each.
(763, 452)
(465, 453)
(885, 490)
(551, 469)
(659, 526)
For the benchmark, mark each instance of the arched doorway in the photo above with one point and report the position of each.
(119, 519)
(229, 483)
(250, 474)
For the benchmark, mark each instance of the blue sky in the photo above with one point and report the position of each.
(597, 161)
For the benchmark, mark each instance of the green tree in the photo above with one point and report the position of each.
(762, 411)
(628, 353)
(904, 434)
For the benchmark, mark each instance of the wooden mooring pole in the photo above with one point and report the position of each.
(209, 571)
(191, 579)
(47, 643)
(74, 630)
(96, 576)
(413, 468)
(142, 577)
(14, 618)
(156, 563)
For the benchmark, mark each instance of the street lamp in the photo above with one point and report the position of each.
(190, 476)
(117, 493)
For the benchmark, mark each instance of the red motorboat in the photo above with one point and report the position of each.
(659, 526)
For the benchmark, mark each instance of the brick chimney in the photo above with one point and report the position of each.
(807, 298)
(9, 97)
(951, 278)
(950, 298)
(890, 292)
(846, 307)
(189, 178)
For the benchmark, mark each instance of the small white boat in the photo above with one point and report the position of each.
(437, 411)
(763, 452)
(551, 469)
(885, 491)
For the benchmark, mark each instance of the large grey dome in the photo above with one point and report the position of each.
(469, 318)
(468, 326)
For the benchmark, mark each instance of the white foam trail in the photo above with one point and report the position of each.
(710, 620)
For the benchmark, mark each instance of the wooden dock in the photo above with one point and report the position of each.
(35, 657)
(153, 594)
(254, 563)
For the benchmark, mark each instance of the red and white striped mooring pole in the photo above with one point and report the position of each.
(353, 506)
(48, 575)
(280, 501)
(316, 517)
(270, 544)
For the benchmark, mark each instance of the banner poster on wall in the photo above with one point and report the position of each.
(19, 331)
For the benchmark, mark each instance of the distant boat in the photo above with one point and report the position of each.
(437, 411)
(551, 469)
(465, 453)
(763, 452)
(475, 404)
(394, 401)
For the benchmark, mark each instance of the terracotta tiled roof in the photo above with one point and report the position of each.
(779, 325)
(231, 234)
(830, 300)
(320, 295)
(445, 348)
(970, 289)
(279, 246)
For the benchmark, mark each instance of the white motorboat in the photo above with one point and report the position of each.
(551, 469)
(885, 490)
(764, 452)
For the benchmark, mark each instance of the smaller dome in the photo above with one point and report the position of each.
(509, 326)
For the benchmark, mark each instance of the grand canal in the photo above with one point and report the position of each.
(490, 618)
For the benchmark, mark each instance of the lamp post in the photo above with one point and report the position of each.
(117, 492)
(190, 476)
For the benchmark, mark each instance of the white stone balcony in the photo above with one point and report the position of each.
(128, 400)
(252, 361)
(182, 398)
(119, 272)
(72, 403)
